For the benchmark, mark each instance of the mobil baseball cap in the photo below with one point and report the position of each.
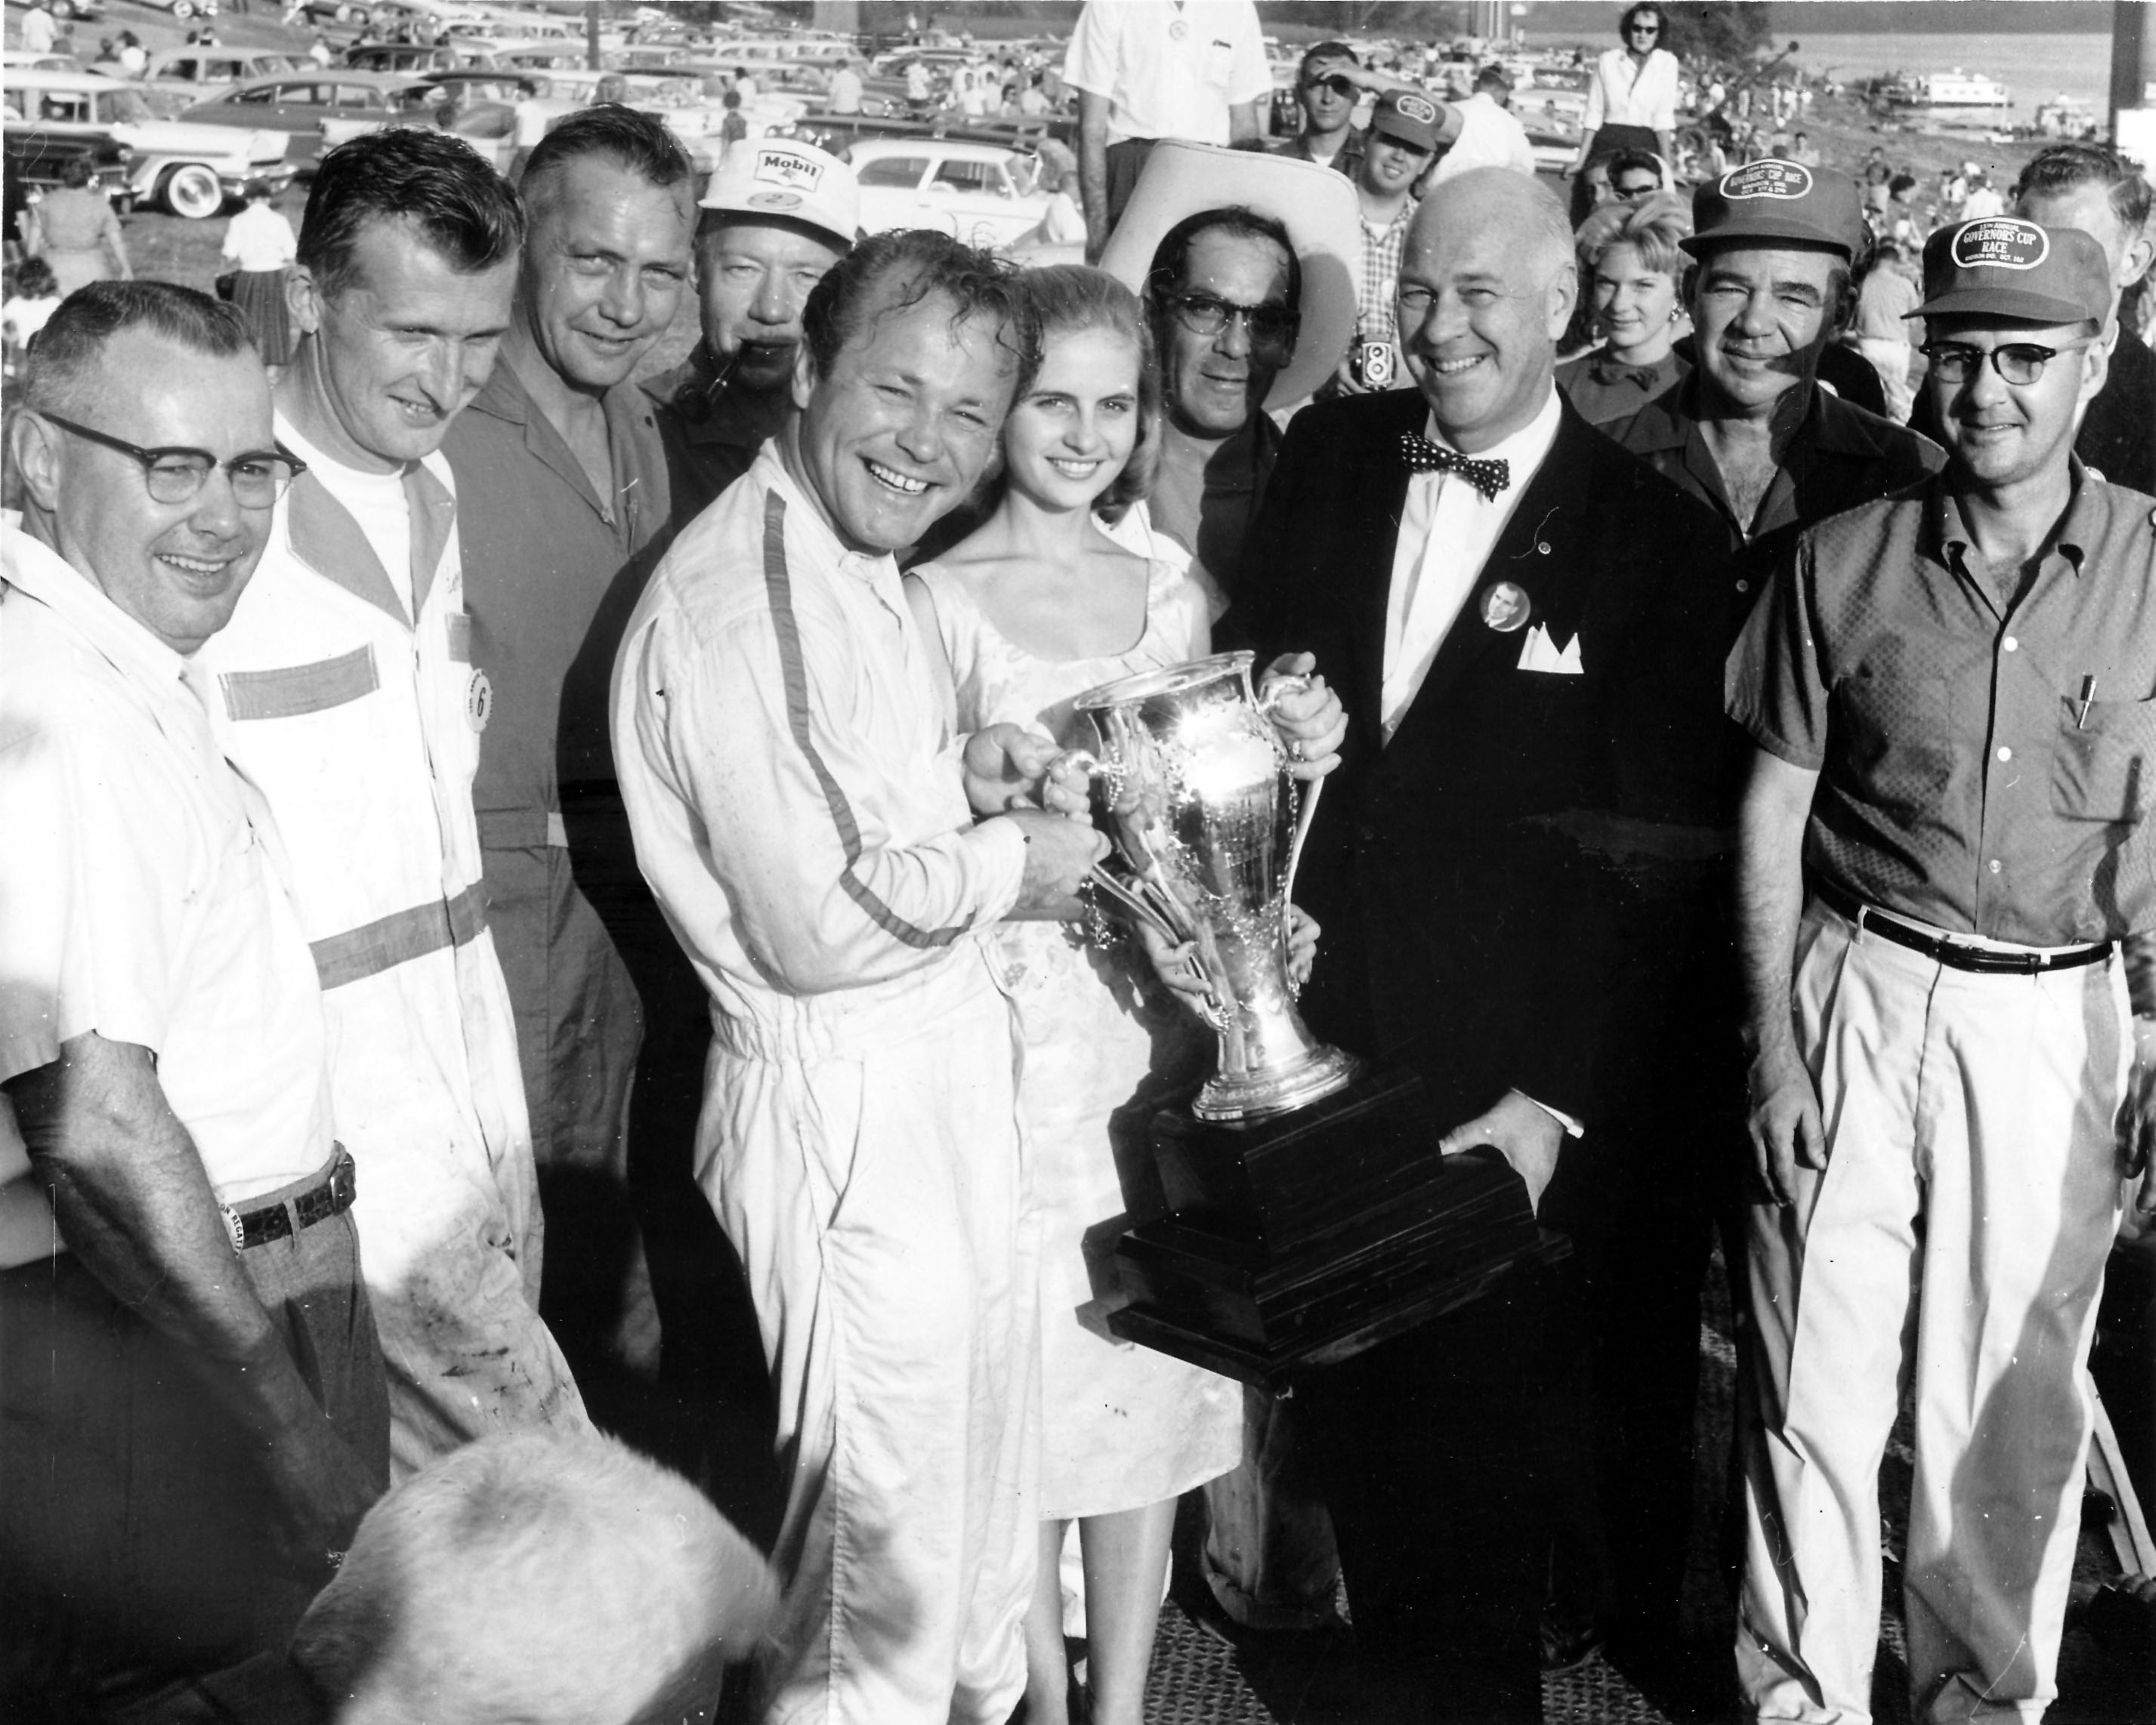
(795, 182)
(1412, 117)
(2005, 267)
(1775, 201)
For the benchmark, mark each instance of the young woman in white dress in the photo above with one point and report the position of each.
(1035, 605)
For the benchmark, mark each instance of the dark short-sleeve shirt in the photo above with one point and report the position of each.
(1840, 456)
(1961, 781)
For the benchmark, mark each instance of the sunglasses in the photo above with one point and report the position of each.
(1272, 328)
(1644, 30)
(1341, 87)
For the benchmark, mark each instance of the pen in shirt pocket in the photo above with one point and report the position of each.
(2081, 706)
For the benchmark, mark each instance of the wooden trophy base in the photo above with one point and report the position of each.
(1303, 1240)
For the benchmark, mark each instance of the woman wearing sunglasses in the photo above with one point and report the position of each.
(1632, 99)
(1035, 605)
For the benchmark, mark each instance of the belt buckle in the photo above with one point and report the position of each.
(234, 1230)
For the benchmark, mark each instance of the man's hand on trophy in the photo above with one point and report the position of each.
(1526, 1134)
(1067, 786)
(1058, 853)
(1302, 933)
(1004, 766)
(1308, 716)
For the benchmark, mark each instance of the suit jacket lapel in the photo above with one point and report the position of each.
(1377, 495)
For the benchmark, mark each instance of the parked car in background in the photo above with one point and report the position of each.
(31, 159)
(294, 106)
(478, 106)
(410, 57)
(182, 8)
(186, 76)
(192, 170)
(984, 195)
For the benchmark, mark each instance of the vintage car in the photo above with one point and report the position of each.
(186, 76)
(192, 170)
(295, 105)
(474, 104)
(983, 194)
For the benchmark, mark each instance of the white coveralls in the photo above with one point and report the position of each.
(362, 731)
(798, 808)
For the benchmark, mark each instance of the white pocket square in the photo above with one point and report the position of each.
(1538, 652)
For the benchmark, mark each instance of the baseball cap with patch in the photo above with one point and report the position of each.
(1413, 118)
(2009, 268)
(791, 182)
(1774, 200)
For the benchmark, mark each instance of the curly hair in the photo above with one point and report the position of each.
(1068, 298)
(889, 272)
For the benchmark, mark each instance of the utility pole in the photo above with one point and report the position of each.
(592, 60)
(2133, 79)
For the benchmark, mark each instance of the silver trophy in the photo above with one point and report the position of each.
(1191, 782)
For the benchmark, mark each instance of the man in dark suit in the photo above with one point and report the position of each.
(1522, 622)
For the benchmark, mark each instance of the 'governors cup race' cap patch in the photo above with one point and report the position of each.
(2001, 266)
(1770, 178)
(1420, 108)
(1775, 202)
(2002, 243)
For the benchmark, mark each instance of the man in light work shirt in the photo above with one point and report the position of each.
(1149, 70)
(1487, 134)
(1941, 848)
(562, 476)
(346, 682)
(191, 1405)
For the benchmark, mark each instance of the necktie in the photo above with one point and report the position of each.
(1423, 457)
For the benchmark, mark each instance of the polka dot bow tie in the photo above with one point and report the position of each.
(1423, 457)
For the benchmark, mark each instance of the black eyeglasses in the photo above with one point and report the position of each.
(1343, 88)
(175, 475)
(1271, 327)
(1644, 30)
(2018, 362)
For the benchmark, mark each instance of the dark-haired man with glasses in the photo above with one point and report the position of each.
(347, 684)
(1223, 296)
(1942, 854)
(192, 1414)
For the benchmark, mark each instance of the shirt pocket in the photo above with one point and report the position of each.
(1219, 63)
(2103, 765)
(1900, 742)
(291, 691)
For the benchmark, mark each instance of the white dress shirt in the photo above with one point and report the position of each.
(1490, 136)
(1447, 530)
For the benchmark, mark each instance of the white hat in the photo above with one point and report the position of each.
(1317, 205)
(797, 182)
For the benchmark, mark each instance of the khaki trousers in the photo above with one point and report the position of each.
(1954, 1246)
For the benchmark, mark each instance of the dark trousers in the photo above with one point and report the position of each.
(1428, 1448)
(1126, 160)
(136, 1540)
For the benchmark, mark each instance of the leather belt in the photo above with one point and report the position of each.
(1958, 954)
(279, 1220)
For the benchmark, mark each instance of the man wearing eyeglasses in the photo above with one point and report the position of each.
(346, 685)
(1943, 851)
(192, 1416)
